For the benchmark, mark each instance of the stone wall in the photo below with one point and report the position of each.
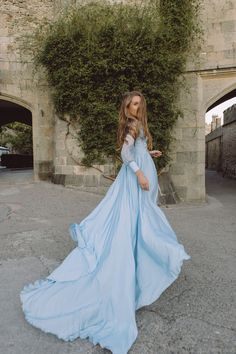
(219, 22)
(229, 142)
(209, 78)
(17, 82)
(67, 167)
(56, 153)
(214, 149)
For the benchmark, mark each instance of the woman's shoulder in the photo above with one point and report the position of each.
(132, 127)
(132, 122)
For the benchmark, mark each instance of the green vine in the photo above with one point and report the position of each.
(95, 52)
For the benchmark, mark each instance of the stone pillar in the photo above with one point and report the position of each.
(43, 134)
(187, 167)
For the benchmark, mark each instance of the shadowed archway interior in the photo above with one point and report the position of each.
(12, 112)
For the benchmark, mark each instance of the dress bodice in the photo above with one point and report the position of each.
(132, 148)
(141, 139)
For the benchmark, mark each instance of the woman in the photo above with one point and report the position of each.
(127, 253)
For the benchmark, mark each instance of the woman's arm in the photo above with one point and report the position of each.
(127, 155)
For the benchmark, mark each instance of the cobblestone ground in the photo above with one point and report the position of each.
(196, 314)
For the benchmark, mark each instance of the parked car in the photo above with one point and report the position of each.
(3, 150)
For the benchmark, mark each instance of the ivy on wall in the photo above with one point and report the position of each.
(96, 51)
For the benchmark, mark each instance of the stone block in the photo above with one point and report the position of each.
(71, 160)
(44, 166)
(196, 181)
(177, 133)
(91, 181)
(44, 169)
(210, 48)
(58, 179)
(197, 192)
(187, 157)
(58, 169)
(46, 131)
(60, 145)
(189, 133)
(228, 26)
(173, 156)
(109, 169)
(200, 169)
(105, 182)
(181, 192)
(230, 53)
(187, 145)
(61, 160)
(67, 170)
(92, 171)
(75, 180)
(72, 144)
(177, 169)
(201, 156)
(179, 180)
(79, 170)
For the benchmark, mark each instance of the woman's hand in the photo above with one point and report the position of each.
(142, 180)
(155, 153)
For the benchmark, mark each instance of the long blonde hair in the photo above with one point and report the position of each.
(130, 124)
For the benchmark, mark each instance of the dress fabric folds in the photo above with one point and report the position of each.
(126, 255)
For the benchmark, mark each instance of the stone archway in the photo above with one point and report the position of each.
(11, 108)
(222, 96)
(187, 168)
(11, 112)
(221, 142)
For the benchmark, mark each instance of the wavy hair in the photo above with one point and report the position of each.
(129, 124)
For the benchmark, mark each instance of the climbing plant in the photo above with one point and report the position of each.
(96, 51)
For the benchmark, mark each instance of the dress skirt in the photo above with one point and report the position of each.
(126, 254)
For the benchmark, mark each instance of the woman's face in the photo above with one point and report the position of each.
(134, 105)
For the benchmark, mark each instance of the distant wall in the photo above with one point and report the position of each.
(214, 149)
(229, 142)
(221, 145)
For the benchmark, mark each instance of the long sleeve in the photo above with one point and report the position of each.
(127, 153)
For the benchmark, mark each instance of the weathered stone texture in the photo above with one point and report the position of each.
(214, 154)
(56, 151)
(17, 82)
(219, 23)
(208, 78)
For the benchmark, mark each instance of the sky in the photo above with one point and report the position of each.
(219, 109)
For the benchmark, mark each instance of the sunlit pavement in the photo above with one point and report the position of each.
(196, 314)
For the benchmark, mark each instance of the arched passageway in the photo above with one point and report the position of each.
(220, 138)
(12, 112)
(12, 162)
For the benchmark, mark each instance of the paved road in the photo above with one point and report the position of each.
(196, 314)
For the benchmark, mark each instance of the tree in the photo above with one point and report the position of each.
(18, 136)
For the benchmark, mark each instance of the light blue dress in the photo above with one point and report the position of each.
(126, 255)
